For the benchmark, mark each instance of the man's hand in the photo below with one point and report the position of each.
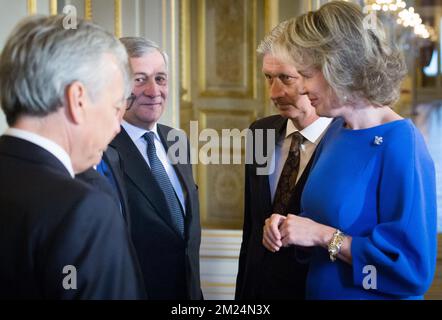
(271, 236)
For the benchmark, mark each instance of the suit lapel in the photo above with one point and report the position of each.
(140, 174)
(112, 159)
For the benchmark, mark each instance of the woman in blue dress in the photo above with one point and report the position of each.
(369, 205)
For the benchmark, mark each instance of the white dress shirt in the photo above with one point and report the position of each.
(49, 145)
(312, 134)
(136, 135)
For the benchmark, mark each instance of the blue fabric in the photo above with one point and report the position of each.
(163, 181)
(383, 195)
(106, 172)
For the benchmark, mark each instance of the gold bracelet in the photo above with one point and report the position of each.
(334, 247)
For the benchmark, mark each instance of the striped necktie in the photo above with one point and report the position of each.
(163, 181)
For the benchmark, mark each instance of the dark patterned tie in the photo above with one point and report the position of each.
(163, 180)
(287, 180)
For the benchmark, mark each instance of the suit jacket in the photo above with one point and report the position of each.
(117, 192)
(49, 221)
(169, 263)
(263, 274)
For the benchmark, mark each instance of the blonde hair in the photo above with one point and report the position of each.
(357, 61)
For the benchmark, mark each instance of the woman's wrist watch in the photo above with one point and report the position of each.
(334, 247)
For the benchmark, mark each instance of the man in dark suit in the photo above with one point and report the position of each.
(60, 238)
(162, 195)
(108, 176)
(263, 274)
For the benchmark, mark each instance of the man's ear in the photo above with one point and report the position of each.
(76, 101)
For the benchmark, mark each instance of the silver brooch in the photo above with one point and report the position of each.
(378, 140)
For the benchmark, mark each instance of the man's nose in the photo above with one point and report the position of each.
(151, 89)
(301, 87)
(276, 90)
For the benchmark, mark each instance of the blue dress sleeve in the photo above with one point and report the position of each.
(402, 247)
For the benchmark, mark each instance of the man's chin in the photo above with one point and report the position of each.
(284, 107)
(286, 112)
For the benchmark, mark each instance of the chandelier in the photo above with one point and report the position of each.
(406, 17)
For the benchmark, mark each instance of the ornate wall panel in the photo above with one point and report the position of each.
(227, 45)
(221, 88)
(222, 185)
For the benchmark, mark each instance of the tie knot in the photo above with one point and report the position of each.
(149, 137)
(297, 140)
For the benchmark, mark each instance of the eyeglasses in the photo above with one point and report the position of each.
(130, 101)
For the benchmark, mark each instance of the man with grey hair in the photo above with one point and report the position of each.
(63, 92)
(263, 274)
(162, 195)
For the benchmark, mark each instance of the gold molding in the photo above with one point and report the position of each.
(203, 170)
(205, 234)
(226, 257)
(169, 12)
(53, 7)
(250, 84)
(217, 284)
(164, 24)
(32, 7)
(185, 50)
(118, 18)
(88, 10)
(173, 52)
(271, 15)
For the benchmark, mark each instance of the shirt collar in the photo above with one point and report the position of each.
(136, 133)
(312, 132)
(49, 145)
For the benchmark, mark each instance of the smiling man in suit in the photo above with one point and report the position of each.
(62, 92)
(298, 130)
(162, 195)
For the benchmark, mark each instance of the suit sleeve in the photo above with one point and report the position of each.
(246, 226)
(94, 240)
(402, 247)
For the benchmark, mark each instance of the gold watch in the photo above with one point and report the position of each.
(334, 247)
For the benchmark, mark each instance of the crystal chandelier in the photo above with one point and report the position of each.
(406, 17)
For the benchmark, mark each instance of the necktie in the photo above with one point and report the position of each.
(289, 174)
(104, 170)
(163, 181)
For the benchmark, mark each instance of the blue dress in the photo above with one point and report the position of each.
(378, 186)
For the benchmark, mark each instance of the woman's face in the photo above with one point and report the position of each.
(319, 92)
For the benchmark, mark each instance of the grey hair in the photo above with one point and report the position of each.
(356, 61)
(267, 44)
(138, 46)
(41, 58)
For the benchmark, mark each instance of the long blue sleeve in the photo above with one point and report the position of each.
(402, 246)
(377, 185)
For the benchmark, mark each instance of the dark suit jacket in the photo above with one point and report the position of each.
(119, 193)
(263, 274)
(169, 263)
(48, 221)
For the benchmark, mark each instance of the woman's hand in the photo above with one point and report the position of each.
(304, 232)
